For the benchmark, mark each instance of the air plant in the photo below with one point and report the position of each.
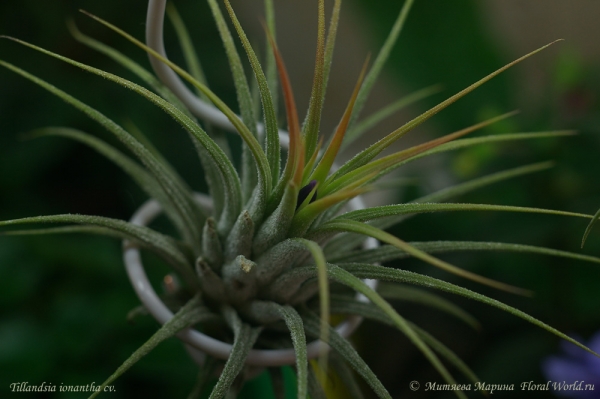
(271, 253)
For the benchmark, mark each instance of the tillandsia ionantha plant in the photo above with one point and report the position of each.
(282, 243)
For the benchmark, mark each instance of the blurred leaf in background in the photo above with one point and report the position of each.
(452, 43)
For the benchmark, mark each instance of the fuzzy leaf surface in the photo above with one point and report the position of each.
(371, 152)
(191, 313)
(403, 276)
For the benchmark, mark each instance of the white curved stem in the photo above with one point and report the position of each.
(195, 339)
(135, 269)
(154, 39)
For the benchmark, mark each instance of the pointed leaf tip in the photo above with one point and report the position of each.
(589, 227)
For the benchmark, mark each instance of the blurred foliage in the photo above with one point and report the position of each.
(64, 299)
(446, 41)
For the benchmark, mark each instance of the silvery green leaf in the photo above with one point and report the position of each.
(262, 163)
(239, 277)
(163, 245)
(475, 184)
(144, 180)
(212, 250)
(271, 67)
(497, 138)
(191, 313)
(403, 276)
(310, 129)
(243, 95)
(269, 312)
(187, 47)
(211, 283)
(288, 283)
(446, 353)
(375, 149)
(239, 240)
(268, 107)
(213, 156)
(345, 242)
(277, 259)
(275, 228)
(464, 143)
(346, 376)
(323, 284)
(207, 370)
(195, 68)
(330, 43)
(97, 230)
(378, 212)
(368, 123)
(370, 311)
(315, 390)
(348, 279)
(244, 338)
(386, 253)
(127, 63)
(381, 59)
(173, 186)
(237, 69)
(589, 227)
(345, 349)
(374, 232)
(307, 290)
(423, 297)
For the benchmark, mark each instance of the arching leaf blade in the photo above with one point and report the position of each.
(190, 314)
(371, 231)
(407, 277)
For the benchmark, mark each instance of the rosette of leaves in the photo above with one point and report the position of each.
(276, 254)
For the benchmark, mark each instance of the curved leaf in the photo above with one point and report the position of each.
(343, 347)
(191, 313)
(362, 127)
(317, 254)
(420, 296)
(144, 180)
(388, 163)
(371, 152)
(317, 95)
(272, 135)
(163, 245)
(251, 141)
(381, 59)
(358, 285)
(378, 212)
(244, 99)
(244, 338)
(127, 63)
(404, 276)
(371, 231)
(589, 227)
(212, 155)
(345, 242)
(187, 47)
(370, 311)
(266, 313)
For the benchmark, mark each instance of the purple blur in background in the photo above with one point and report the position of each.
(575, 366)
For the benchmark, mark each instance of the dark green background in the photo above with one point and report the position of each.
(63, 300)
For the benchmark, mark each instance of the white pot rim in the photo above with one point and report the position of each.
(204, 343)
